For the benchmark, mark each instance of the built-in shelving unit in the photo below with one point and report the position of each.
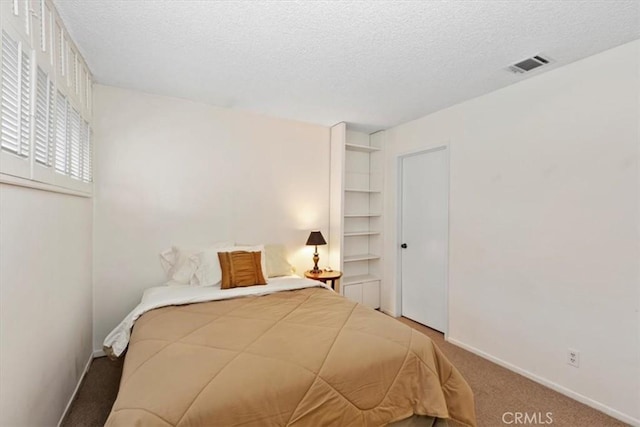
(352, 280)
(361, 148)
(356, 227)
(360, 257)
(360, 233)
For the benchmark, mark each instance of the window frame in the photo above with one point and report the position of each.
(11, 163)
(40, 39)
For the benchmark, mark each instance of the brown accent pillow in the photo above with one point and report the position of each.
(240, 269)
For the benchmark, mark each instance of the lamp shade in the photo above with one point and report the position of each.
(315, 238)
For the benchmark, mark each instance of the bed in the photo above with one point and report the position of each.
(291, 352)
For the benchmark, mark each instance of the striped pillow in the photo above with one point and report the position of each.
(241, 268)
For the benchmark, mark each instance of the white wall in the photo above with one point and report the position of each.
(544, 241)
(45, 302)
(171, 171)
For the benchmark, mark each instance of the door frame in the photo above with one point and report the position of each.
(446, 146)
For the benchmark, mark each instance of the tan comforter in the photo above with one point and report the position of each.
(305, 357)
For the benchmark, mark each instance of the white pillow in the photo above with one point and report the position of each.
(177, 265)
(182, 270)
(207, 264)
(167, 261)
(277, 264)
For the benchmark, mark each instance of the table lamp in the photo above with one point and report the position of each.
(315, 239)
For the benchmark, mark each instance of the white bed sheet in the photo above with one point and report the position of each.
(171, 294)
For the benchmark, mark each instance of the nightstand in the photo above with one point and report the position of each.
(324, 276)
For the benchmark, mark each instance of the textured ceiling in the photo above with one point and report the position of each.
(373, 64)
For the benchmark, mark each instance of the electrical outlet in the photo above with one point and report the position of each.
(573, 358)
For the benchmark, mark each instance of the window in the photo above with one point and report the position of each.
(50, 36)
(72, 141)
(81, 82)
(44, 14)
(45, 133)
(27, 17)
(88, 94)
(16, 67)
(75, 80)
(62, 50)
(61, 133)
(73, 138)
(69, 65)
(87, 152)
(43, 138)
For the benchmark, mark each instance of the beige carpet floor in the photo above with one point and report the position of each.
(497, 390)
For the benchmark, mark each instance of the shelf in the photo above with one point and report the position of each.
(361, 148)
(360, 190)
(363, 257)
(352, 280)
(364, 215)
(361, 233)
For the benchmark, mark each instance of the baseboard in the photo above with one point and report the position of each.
(75, 391)
(550, 384)
(388, 312)
(98, 353)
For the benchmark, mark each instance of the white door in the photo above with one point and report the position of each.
(425, 237)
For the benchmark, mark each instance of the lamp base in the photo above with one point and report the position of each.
(316, 258)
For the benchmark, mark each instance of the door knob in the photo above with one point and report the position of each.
(403, 246)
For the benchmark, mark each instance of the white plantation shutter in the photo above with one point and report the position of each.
(87, 161)
(62, 51)
(43, 26)
(25, 103)
(27, 18)
(73, 137)
(61, 133)
(75, 78)
(10, 124)
(45, 94)
(51, 119)
(16, 97)
(88, 95)
(43, 138)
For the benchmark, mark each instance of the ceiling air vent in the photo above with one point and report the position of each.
(529, 64)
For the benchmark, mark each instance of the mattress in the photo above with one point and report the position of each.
(303, 356)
